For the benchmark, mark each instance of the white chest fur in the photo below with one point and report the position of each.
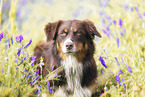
(73, 71)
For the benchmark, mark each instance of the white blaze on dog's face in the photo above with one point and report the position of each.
(68, 46)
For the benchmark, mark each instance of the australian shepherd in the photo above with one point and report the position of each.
(70, 45)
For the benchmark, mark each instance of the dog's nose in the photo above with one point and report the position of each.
(69, 45)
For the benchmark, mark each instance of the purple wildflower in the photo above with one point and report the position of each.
(76, 13)
(131, 9)
(103, 20)
(117, 40)
(126, 7)
(129, 69)
(1, 35)
(20, 62)
(28, 44)
(108, 35)
(19, 39)
(19, 50)
(102, 62)
(3, 69)
(37, 78)
(124, 30)
(121, 33)
(102, 71)
(118, 79)
(9, 43)
(37, 91)
(140, 15)
(124, 86)
(48, 85)
(117, 61)
(25, 56)
(37, 72)
(51, 90)
(136, 9)
(120, 23)
(52, 68)
(16, 60)
(114, 22)
(33, 60)
(11, 40)
(144, 14)
(120, 71)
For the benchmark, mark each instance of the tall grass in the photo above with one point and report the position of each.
(120, 53)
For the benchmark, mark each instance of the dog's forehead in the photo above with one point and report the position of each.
(71, 24)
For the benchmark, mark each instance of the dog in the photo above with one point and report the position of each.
(70, 44)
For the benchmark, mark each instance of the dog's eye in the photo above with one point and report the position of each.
(79, 33)
(63, 34)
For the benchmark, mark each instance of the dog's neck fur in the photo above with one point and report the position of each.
(73, 71)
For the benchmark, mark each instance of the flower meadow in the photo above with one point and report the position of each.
(120, 53)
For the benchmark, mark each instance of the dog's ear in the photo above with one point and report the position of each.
(51, 30)
(91, 29)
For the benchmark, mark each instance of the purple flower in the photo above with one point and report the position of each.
(33, 60)
(114, 22)
(37, 78)
(20, 62)
(102, 71)
(51, 89)
(144, 14)
(136, 9)
(19, 50)
(121, 33)
(9, 43)
(117, 40)
(120, 23)
(126, 7)
(140, 15)
(117, 61)
(102, 62)
(76, 13)
(118, 79)
(16, 60)
(48, 85)
(25, 56)
(103, 20)
(3, 69)
(129, 69)
(37, 72)
(120, 71)
(37, 91)
(131, 9)
(11, 40)
(1, 35)
(124, 30)
(52, 68)
(28, 44)
(108, 35)
(19, 39)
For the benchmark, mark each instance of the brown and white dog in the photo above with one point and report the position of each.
(70, 44)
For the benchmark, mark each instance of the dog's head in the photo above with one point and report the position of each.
(71, 36)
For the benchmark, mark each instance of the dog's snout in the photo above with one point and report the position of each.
(69, 45)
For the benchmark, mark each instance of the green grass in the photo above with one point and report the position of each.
(33, 17)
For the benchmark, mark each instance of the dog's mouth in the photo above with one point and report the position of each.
(71, 52)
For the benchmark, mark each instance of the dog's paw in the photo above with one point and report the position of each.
(82, 92)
